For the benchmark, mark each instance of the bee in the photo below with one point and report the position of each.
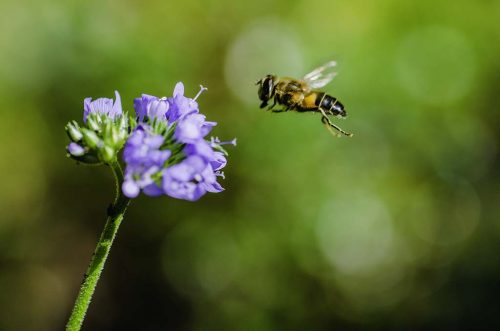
(301, 95)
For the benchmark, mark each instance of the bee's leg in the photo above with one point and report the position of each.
(279, 110)
(282, 110)
(274, 104)
(329, 125)
(326, 122)
(288, 102)
(278, 100)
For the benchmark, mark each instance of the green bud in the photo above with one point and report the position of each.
(107, 153)
(115, 136)
(132, 122)
(91, 139)
(73, 132)
(108, 129)
(123, 122)
(123, 136)
(92, 123)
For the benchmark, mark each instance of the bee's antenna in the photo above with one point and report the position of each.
(329, 125)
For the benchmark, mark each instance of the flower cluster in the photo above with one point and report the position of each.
(103, 134)
(165, 150)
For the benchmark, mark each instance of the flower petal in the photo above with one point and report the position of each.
(117, 106)
(153, 190)
(130, 189)
(75, 149)
(179, 89)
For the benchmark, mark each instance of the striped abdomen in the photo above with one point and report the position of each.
(329, 104)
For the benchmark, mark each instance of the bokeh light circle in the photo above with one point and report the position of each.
(436, 65)
(444, 213)
(355, 233)
(266, 46)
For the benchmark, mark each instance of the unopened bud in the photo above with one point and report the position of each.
(73, 132)
(92, 123)
(107, 153)
(91, 139)
(75, 150)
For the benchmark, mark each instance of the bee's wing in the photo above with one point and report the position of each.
(321, 76)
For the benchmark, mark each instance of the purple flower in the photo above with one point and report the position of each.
(180, 105)
(216, 159)
(219, 161)
(190, 179)
(192, 128)
(103, 106)
(75, 149)
(173, 159)
(201, 148)
(144, 159)
(151, 107)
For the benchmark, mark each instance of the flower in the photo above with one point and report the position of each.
(151, 106)
(75, 149)
(167, 154)
(190, 179)
(103, 134)
(201, 148)
(219, 161)
(165, 149)
(181, 105)
(144, 158)
(102, 106)
(192, 128)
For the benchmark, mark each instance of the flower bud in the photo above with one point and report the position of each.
(123, 122)
(91, 139)
(92, 123)
(75, 150)
(73, 132)
(107, 154)
(105, 130)
(116, 136)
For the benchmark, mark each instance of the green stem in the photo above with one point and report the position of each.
(91, 277)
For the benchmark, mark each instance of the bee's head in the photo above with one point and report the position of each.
(266, 89)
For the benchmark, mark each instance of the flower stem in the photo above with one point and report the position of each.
(91, 277)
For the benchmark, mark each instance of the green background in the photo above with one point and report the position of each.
(396, 228)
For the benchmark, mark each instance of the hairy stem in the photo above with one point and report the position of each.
(91, 277)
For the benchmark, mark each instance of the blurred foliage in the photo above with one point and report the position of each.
(396, 228)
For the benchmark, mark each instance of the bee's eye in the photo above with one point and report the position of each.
(265, 88)
(261, 84)
(268, 85)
